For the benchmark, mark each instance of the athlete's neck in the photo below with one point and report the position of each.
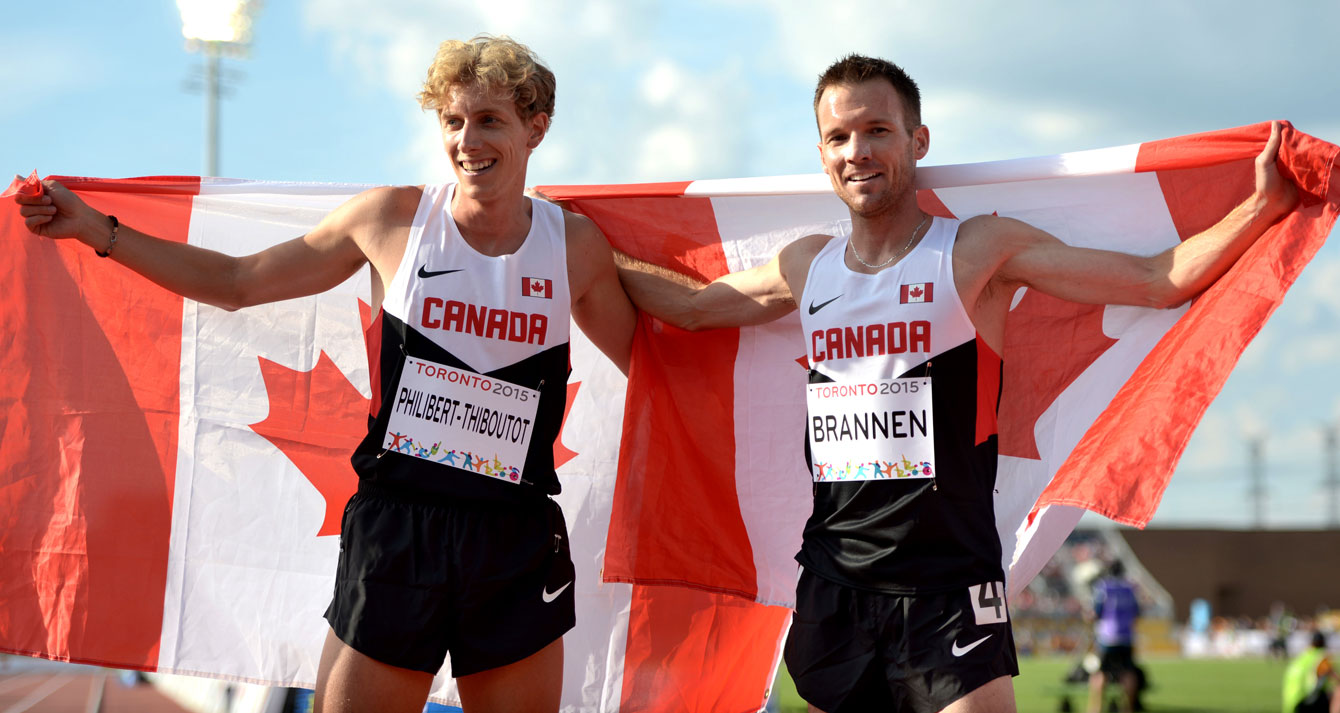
(492, 227)
(879, 236)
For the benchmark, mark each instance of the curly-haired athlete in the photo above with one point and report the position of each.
(473, 284)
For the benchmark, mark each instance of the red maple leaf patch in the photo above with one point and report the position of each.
(317, 419)
(1049, 342)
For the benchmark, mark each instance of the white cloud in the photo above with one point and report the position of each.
(1220, 441)
(661, 83)
(1312, 350)
(1215, 444)
(670, 151)
(643, 117)
(1146, 70)
(424, 157)
(1305, 337)
(999, 80)
(1018, 126)
(1319, 285)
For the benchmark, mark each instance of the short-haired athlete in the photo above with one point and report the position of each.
(469, 278)
(900, 604)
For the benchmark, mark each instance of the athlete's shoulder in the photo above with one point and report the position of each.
(995, 232)
(579, 227)
(799, 253)
(379, 208)
(986, 242)
(400, 201)
(582, 235)
(812, 243)
(803, 250)
(794, 260)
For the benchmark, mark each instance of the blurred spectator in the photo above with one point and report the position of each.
(1309, 681)
(1115, 610)
(1281, 623)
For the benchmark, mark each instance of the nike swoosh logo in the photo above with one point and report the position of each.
(815, 308)
(425, 273)
(956, 651)
(548, 596)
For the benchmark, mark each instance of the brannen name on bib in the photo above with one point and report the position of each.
(871, 430)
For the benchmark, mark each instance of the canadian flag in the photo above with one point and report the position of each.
(716, 426)
(173, 474)
(919, 292)
(537, 287)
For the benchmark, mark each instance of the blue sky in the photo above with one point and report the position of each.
(658, 91)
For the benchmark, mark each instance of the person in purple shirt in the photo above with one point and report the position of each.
(1115, 610)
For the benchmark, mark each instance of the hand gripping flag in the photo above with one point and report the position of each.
(173, 475)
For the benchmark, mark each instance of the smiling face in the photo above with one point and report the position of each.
(487, 141)
(865, 145)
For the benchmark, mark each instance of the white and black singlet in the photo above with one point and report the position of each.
(469, 362)
(901, 429)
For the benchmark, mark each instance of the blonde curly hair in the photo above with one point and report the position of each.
(496, 63)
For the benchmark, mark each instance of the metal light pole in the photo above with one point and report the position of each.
(1256, 444)
(215, 28)
(1331, 437)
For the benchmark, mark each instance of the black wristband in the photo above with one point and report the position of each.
(111, 243)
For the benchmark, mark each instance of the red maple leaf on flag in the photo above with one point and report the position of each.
(1049, 342)
(320, 446)
(562, 454)
(915, 291)
(317, 419)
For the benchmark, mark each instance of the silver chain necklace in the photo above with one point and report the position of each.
(896, 255)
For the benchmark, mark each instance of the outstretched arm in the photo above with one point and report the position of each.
(1036, 259)
(306, 265)
(1196, 263)
(994, 257)
(754, 296)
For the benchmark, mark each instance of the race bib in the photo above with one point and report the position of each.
(875, 430)
(988, 603)
(460, 418)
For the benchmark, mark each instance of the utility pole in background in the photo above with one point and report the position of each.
(1331, 438)
(1256, 446)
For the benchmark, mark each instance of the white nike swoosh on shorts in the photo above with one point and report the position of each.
(548, 596)
(957, 651)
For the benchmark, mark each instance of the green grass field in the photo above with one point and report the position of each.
(1176, 686)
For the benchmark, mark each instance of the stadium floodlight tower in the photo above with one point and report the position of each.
(215, 28)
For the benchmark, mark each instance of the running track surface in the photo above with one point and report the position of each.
(76, 689)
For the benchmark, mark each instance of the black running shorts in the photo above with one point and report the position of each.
(1116, 660)
(857, 650)
(489, 582)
